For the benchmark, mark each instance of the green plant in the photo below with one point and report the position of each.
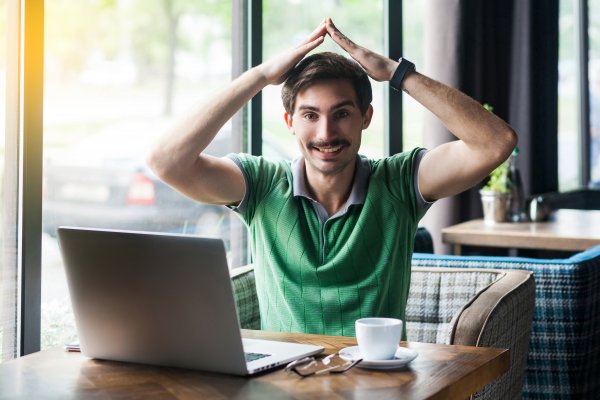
(498, 179)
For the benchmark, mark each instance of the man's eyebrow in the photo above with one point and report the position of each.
(341, 104)
(307, 107)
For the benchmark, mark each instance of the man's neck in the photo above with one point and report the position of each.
(330, 190)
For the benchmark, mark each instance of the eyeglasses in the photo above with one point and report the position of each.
(332, 364)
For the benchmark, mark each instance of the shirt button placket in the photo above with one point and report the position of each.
(324, 242)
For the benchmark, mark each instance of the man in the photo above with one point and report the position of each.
(332, 232)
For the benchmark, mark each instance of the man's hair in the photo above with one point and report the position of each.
(322, 66)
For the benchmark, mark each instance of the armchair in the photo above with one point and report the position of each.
(564, 350)
(453, 306)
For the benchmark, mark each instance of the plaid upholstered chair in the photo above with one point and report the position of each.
(454, 306)
(564, 351)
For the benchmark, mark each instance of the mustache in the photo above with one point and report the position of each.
(331, 143)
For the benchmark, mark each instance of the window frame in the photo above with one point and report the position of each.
(30, 170)
(583, 103)
(393, 34)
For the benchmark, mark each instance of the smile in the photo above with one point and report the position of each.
(329, 149)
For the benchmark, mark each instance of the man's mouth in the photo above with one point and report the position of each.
(329, 149)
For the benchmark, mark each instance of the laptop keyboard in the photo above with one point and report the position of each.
(255, 356)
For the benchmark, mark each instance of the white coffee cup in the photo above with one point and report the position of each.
(378, 338)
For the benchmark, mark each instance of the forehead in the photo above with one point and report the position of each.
(324, 94)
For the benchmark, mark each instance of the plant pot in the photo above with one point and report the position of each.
(495, 206)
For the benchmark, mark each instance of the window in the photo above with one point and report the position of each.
(117, 74)
(413, 31)
(568, 137)
(287, 23)
(594, 89)
(578, 133)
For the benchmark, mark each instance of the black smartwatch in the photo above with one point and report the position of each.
(404, 67)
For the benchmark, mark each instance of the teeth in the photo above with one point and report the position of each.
(329, 150)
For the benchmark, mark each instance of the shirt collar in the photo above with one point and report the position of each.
(359, 184)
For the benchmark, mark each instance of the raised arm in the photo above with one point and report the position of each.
(485, 141)
(177, 158)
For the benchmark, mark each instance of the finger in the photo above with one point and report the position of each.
(338, 37)
(321, 30)
(298, 54)
(305, 48)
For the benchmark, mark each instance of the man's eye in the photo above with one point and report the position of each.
(342, 114)
(310, 116)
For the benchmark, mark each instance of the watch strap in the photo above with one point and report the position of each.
(404, 67)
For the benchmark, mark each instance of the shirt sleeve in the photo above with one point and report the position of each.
(241, 207)
(260, 176)
(400, 173)
(421, 202)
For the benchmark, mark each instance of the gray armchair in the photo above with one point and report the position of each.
(490, 308)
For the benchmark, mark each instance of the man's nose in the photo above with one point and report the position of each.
(325, 129)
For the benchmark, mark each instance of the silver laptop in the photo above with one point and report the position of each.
(161, 299)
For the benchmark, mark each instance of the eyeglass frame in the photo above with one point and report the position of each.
(308, 361)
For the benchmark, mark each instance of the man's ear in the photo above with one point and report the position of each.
(367, 117)
(288, 121)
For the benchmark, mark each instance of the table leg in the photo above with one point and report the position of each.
(457, 249)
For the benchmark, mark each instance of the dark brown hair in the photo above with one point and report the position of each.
(322, 66)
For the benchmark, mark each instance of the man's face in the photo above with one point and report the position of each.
(328, 125)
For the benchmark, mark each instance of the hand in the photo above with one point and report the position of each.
(276, 69)
(377, 66)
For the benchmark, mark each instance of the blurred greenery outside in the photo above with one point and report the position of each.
(132, 71)
(118, 69)
(287, 23)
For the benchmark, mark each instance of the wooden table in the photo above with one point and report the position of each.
(439, 372)
(567, 230)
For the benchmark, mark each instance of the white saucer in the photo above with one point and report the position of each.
(402, 357)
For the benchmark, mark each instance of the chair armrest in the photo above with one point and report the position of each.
(244, 293)
(504, 314)
(514, 289)
(476, 307)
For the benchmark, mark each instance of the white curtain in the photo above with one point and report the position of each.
(442, 62)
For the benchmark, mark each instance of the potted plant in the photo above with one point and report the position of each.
(495, 195)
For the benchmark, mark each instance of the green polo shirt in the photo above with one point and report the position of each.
(317, 273)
